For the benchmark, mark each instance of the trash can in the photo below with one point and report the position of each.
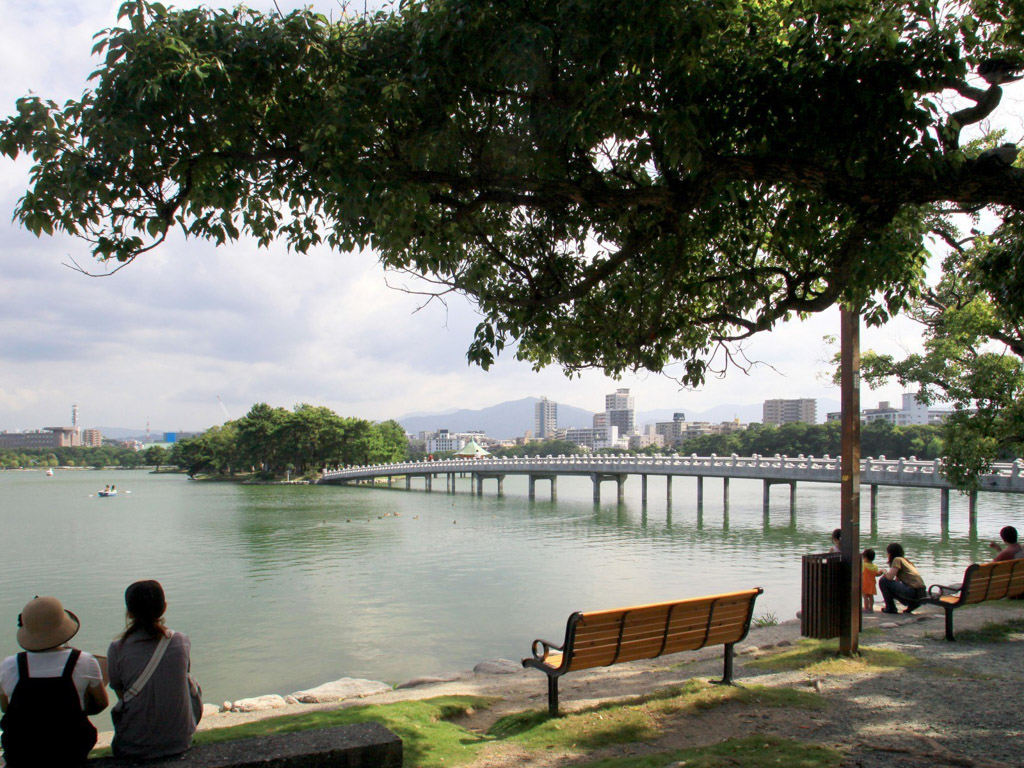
(819, 603)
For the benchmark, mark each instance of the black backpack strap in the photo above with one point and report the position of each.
(72, 660)
(23, 666)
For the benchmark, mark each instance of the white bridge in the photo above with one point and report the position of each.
(1005, 477)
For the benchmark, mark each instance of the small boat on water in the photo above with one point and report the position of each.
(104, 494)
(49, 472)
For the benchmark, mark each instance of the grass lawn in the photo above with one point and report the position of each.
(433, 738)
(822, 657)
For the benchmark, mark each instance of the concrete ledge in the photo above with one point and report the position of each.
(364, 745)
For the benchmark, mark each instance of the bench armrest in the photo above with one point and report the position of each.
(541, 648)
(938, 590)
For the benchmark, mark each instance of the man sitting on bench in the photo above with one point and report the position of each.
(1010, 549)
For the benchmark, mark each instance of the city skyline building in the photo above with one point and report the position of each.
(912, 412)
(672, 431)
(783, 411)
(594, 438)
(48, 437)
(621, 413)
(545, 418)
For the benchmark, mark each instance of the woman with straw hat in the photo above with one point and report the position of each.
(48, 691)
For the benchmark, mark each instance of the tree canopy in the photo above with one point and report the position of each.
(878, 438)
(973, 355)
(619, 185)
(274, 441)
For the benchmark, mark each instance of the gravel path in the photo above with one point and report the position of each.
(959, 706)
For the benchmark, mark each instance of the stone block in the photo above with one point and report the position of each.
(363, 745)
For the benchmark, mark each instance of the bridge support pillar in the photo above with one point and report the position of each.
(429, 482)
(408, 482)
(725, 493)
(700, 492)
(533, 485)
(792, 496)
(765, 495)
(668, 488)
(643, 489)
(943, 508)
(620, 480)
(972, 510)
(481, 476)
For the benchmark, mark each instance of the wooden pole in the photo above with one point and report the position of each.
(849, 617)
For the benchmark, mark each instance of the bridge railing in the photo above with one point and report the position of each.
(902, 471)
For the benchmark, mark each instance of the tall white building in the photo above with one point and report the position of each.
(784, 411)
(545, 418)
(620, 412)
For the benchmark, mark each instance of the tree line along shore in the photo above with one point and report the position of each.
(270, 443)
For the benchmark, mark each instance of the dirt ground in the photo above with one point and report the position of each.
(959, 706)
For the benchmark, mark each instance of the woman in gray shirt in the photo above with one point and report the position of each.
(155, 720)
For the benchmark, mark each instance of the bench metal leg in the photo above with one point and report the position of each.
(553, 696)
(727, 672)
(949, 625)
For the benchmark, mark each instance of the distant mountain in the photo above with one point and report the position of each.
(503, 421)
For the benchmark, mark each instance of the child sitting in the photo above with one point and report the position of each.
(868, 574)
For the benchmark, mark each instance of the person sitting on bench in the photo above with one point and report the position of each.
(1010, 549)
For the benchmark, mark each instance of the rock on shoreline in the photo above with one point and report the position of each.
(337, 690)
(355, 688)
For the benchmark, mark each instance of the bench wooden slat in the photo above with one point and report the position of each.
(987, 581)
(682, 634)
(694, 601)
(730, 616)
(602, 638)
(606, 620)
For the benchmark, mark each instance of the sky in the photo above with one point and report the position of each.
(191, 335)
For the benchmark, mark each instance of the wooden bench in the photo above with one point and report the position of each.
(603, 638)
(989, 581)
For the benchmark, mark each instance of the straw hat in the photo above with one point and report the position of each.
(44, 624)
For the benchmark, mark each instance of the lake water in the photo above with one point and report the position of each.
(285, 587)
